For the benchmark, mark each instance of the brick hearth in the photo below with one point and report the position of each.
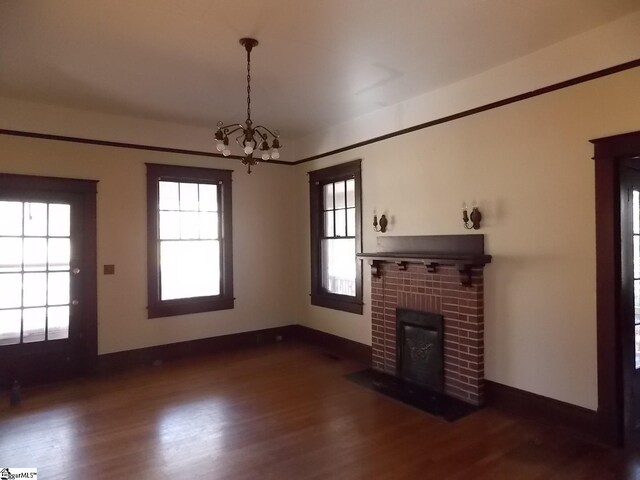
(442, 292)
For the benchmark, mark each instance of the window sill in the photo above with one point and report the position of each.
(350, 306)
(185, 307)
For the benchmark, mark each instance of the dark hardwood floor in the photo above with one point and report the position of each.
(276, 412)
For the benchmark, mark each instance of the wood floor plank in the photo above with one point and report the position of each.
(276, 412)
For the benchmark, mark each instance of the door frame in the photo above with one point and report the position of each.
(610, 154)
(87, 190)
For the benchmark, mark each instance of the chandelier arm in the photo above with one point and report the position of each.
(236, 125)
(239, 137)
(265, 128)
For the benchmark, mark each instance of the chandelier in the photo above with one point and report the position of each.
(250, 138)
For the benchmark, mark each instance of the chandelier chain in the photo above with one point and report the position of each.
(248, 85)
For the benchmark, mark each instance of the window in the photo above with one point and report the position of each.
(189, 240)
(336, 225)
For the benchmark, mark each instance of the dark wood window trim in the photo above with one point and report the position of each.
(610, 155)
(223, 301)
(317, 179)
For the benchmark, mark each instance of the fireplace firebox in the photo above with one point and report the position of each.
(420, 354)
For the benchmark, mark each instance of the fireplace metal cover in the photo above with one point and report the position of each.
(420, 348)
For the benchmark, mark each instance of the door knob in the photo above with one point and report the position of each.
(75, 271)
(75, 302)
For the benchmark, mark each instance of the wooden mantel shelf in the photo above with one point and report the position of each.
(462, 251)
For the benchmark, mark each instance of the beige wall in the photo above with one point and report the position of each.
(262, 229)
(528, 165)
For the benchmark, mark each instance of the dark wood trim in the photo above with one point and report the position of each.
(489, 106)
(222, 178)
(541, 408)
(148, 356)
(333, 344)
(317, 179)
(609, 154)
(48, 184)
(134, 146)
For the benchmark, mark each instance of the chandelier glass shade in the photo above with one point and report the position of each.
(258, 143)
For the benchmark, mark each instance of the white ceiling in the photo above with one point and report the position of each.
(319, 62)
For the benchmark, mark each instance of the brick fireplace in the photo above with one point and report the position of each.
(445, 277)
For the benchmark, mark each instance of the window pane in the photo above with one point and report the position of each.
(10, 290)
(339, 266)
(35, 289)
(351, 193)
(169, 225)
(189, 269)
(208, 225)
(189, 225)
(341, 223)
(10, 327)
(35, 219)
(188, 196)
(34, 323)
(328, 223)
(35, 254)
(11, 215)
(208, 198)
(10, 254)
(327, 193)
(339, 191)
(58, 288)
(59, 220)
(59, 253)
(636, 256)
(636, 211)
(351, 222)
(58, 320)
(168, 196)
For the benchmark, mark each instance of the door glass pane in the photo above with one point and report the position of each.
(208, 198)
(636, 211)
(11, 290)
(189, 269)
(327, 193)
(328, 223)
(58, 322)
(351, 193)
(168, 196)
(10, 254)
(341, 223)
(188, 196)
(11, 215)
(340, 194)
(59, 253)
(59, 220)
(35, 254)
(35, 289)
(10, 326)
(35, 219)
(34, 323)
(339, 266)
(58, 288)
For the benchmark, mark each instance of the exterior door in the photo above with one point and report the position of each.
(630, 301)
(47, 329)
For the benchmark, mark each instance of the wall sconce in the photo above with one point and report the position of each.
(475, 217)
(383, 223)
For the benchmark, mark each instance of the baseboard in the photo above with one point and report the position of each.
(340, 346)
(127, 359)
(537, 407)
